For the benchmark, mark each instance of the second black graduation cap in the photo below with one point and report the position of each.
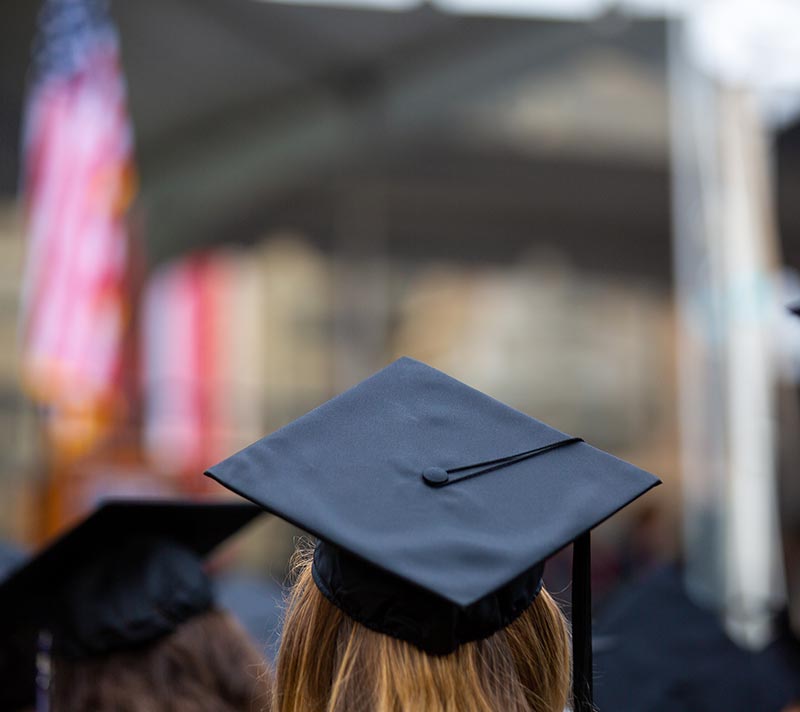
(419, 484)
(128, 573)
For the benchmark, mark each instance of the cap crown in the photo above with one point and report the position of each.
(364, 472)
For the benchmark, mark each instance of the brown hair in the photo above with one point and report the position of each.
(207, 665)
(330, 663)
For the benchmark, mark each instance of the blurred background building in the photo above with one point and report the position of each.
(587, 209)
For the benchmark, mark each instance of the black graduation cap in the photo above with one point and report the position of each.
(127, 574)
(435, 506)
(658, 651)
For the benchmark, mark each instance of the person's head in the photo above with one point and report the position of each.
(119, 613)
(435, 508)
(328, 662)
(207, 664)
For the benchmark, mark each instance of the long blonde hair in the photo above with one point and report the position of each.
(330, 663)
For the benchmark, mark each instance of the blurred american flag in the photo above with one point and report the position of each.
(78, 182)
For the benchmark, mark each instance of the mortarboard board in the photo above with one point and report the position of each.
(128, 574)
(436, 506)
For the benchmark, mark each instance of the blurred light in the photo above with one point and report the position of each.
(749, 42)
(561, 9)
(657, 8)
(386, 5)
(571, 9)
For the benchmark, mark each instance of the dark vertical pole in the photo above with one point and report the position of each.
(582, 624)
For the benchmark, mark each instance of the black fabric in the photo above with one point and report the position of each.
(17, 648)
(657, 651)
(349, 472)
(389, 605)
(582, 682)
(136, 593)
(198, 526)
(357, 472)
(17, 667)
(128, 573)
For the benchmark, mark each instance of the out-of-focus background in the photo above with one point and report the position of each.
(215, 215)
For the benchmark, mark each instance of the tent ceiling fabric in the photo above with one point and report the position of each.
(200, 59)
(242, 108)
